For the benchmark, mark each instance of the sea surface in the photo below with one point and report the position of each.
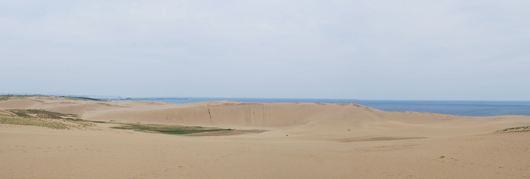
(458, 108)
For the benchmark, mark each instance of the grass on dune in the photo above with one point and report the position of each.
(82, 98)
(168, 129)
(514, 129)
(32, 122)
(55, 120)
(99, 122)
(7, 97)
(13, 96)
(40, 113)
(42, 118)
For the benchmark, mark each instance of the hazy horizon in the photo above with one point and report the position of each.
(373, 50)
(150, 98)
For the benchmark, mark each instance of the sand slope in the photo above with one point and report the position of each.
(324, 141)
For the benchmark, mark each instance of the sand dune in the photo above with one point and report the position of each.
(304, 140)
(305, 120)
(311, 120)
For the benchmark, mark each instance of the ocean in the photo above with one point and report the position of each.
(458, 108)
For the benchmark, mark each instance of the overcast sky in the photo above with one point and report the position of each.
(396, 49)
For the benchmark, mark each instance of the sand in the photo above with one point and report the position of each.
(324, 141)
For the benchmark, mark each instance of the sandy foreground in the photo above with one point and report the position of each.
(303, 140)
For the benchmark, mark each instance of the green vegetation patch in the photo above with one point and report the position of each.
(19, 113)
(10, 96)
(55, 120)
(168, 129)
(515, 129)
(42, 118)
(32, 122)
(40, 113)
(99, 122)
(7, 97)
(81, 98)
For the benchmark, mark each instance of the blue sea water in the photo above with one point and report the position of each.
(459, 108)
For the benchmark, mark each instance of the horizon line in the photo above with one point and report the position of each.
(124, 98)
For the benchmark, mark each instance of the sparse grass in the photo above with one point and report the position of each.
(19, 113)
(183, 130)
(378, 139)
(32, 122)
(515, 129)
(81, 98)
(99, 122)
(225, 133)
(55, 120)
(168, 129)
(10, 96)
(42, 118)
(40, 113)
(7, 97)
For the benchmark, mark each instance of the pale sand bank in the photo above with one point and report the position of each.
(324, 141)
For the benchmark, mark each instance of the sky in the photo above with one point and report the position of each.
(365, 49)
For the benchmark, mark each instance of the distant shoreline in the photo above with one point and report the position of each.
(457, 108)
